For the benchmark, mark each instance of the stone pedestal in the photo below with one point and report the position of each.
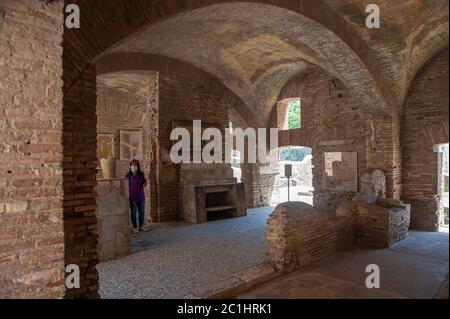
(113, 218)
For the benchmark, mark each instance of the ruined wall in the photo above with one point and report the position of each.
(181, 100)
(327, 109)
(31, 105)
(299, 234)
(381, 225)
(425, 124)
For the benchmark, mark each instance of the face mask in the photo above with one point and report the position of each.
(134, 169)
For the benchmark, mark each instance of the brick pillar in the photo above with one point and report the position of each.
(31, 102)
(151, 147)
(247, 179)
(80, 131)
(282, 108)
(384, 152)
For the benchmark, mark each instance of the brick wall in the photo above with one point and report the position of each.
(426, 107)
(31, 103)
(381, 227)
(118, 110)
(333, 121)
(326, 111)
(384, 152)
(181, 100)
(299, 234)
(80, 163)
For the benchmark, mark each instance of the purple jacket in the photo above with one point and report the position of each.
(136, 187)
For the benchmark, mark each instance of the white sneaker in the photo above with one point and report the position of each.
(135, 231)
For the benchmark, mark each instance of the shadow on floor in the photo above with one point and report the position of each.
(416, 267)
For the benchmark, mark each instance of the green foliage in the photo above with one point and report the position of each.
(295, 154)
(294, 114)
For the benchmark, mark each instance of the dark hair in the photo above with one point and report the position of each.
(139, 172)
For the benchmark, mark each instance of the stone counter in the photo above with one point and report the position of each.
(113, 218)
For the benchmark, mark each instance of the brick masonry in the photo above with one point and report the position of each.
(113, 219)
(31, 161)
(381, 227)
(48, 163)
(326, 109)
(181, 100)
(80, 169)
(426, 108)
(299, 234)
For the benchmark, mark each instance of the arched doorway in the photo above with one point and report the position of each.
(299, 187)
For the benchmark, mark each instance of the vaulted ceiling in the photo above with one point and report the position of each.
(255, 48)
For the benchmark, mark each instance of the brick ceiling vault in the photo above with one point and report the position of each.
(117, 65)
(255, 48)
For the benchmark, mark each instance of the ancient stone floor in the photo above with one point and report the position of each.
(416, 267)
(181, 260)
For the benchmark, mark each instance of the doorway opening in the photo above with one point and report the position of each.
(299, 186)
(236, 165)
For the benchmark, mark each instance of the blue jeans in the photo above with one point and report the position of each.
(139, 207)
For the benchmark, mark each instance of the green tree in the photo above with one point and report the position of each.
(294, 114)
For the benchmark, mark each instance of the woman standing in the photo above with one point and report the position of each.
(137, 182)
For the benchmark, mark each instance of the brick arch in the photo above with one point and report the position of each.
(291, 90)
(296, 137)
(147, 12)
(294, 89)
(423, 54)
(436, 133)
(125, 62)
(281, 111)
